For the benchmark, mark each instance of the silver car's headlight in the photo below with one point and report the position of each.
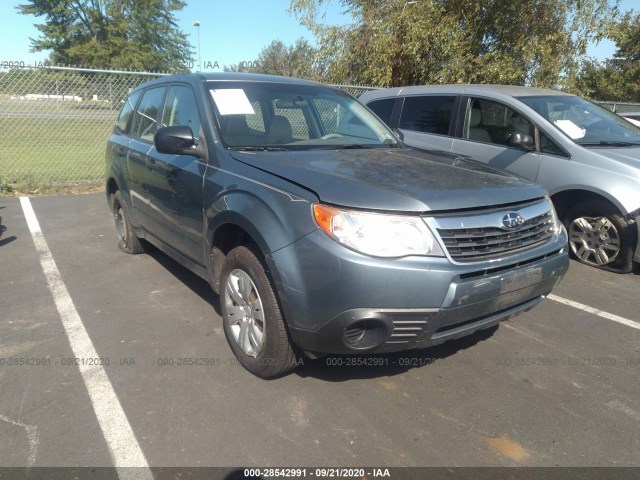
(557, 224)
(377, 234)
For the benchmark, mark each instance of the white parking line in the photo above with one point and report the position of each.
(123, 445)
(595, 311)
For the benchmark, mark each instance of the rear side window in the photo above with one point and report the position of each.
(429, 114)
(145, 117)
(181, 109)
(383, 109)
(125, 113)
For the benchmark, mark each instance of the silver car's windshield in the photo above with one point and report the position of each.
(585, 122)
(281, 116)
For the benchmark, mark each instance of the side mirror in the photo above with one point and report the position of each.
(177, 140)
(522, 140)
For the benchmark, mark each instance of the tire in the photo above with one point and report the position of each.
(127, 240)
(251, 316)
(600, 237)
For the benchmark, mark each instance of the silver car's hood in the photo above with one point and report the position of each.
(627, 155)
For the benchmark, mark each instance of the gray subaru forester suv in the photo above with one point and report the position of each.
(321, 232)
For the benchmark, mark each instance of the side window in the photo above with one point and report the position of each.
(429, 114)
(492, 122)
(384, 109)
(126, 111)
(181, 109)
(145, 117)
(549, 146)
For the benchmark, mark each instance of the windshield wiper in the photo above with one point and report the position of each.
(258, 149)
(351, 146)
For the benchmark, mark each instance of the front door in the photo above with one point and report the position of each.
(174, 182)
(499, 136)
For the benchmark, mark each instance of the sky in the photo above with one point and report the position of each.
(231, 32)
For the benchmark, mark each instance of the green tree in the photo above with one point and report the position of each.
(117, 34)
(617, 78)
(402, 42)
(297, 60)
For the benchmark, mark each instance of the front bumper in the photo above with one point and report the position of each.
(344, 302)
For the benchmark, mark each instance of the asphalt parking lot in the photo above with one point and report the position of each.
(557, 386)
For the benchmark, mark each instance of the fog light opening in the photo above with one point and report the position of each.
(365, 334)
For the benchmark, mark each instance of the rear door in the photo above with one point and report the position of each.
(490, 134)
(118, 152)
(427, 121)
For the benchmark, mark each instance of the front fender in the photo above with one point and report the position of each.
(268, 224)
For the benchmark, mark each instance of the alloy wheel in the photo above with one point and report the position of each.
(245, 312)
(594, 240)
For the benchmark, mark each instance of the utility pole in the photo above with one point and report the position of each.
(196, 24)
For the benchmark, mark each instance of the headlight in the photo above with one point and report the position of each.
(557, 224)
(378, 235)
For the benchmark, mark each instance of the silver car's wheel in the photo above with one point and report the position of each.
(594, 240)
(245, 312)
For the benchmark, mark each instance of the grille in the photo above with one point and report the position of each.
(468, 244)
(407, 328)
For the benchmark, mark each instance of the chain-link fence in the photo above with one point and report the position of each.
(621, 107)
(55, 122)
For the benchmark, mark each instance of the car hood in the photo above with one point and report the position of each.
(394, 179)
(627, 155)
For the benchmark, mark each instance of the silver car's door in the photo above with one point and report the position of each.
(426, 121)
(499, 136)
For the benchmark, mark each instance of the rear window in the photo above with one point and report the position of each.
(125, 113)
(383, 109)
(429, 114)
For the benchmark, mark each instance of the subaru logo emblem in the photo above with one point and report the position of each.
(512, 220)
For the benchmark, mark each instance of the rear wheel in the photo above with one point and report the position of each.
(600, 237)
(127, 240)
(252, 320)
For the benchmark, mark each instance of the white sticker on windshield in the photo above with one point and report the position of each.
(570, 128)
(232, 101)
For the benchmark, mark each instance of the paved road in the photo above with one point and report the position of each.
(557, 386)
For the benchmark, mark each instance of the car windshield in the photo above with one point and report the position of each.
(585, 122)
(281, 116)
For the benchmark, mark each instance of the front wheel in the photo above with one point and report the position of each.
(600, 237)
(251, 316)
